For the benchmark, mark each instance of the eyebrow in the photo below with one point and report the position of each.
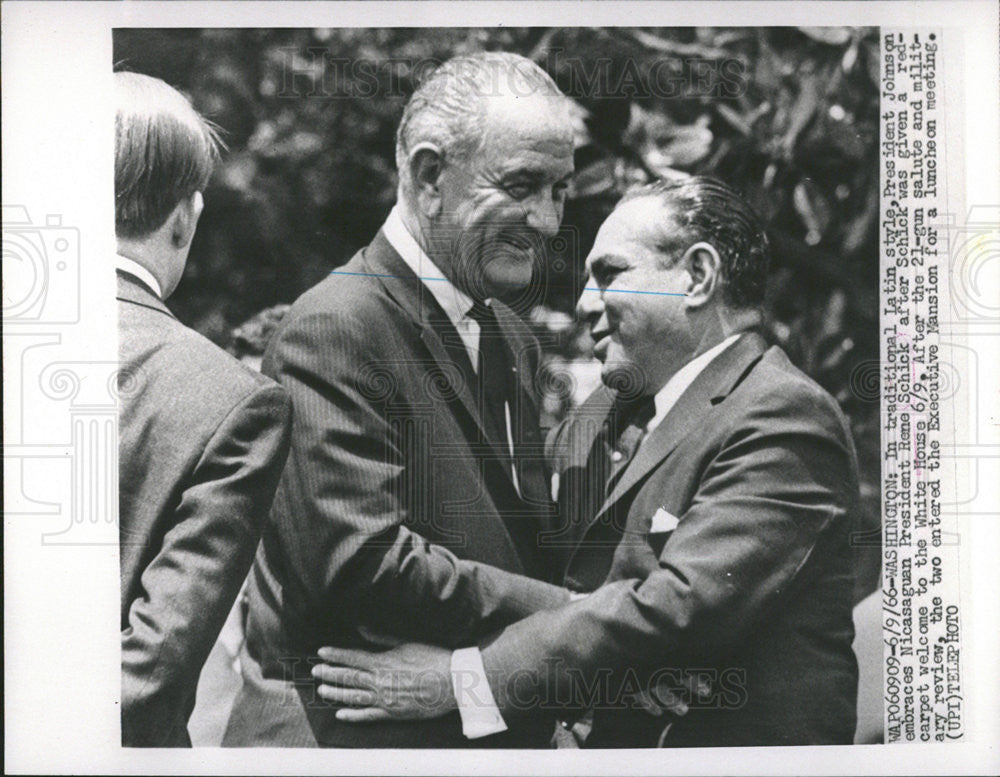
(609, 261)
(532, 175)
(617, 261)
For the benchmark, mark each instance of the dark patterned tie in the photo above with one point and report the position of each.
(635, 418)
(493, 373)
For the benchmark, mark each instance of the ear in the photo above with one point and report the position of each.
(184, 220)
(704, 268)
(426, 165)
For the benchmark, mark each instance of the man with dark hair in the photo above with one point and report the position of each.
(716, 485)
(202, 438)
(415, 489)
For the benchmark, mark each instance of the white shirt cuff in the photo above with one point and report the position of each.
(476, 705)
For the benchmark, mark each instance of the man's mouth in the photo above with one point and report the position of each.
(602, 340)
(521, 241)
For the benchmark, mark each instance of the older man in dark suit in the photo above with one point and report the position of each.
(716, 485)
(202, 438)
(415, 488)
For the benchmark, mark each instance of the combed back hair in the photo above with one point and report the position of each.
(164, 152)
(449, 106)
(702, 208)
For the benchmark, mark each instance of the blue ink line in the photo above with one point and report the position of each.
(633, 291)
(586, 288)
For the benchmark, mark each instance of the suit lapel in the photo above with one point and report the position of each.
(529, 447)
(410, 292)
(714, 383)
(590, 421)
(581, 457)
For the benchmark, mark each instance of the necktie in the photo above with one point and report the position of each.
(493, 375)
(635, 417)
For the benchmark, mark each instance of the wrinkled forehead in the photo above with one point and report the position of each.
(537, 120)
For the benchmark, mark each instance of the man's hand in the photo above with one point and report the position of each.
(408, 682)
(673, 695)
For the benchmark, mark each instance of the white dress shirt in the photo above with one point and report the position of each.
(665, 399)
(136, 270)
(477, 708)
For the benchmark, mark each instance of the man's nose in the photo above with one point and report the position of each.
(545, 216)
(590, 306)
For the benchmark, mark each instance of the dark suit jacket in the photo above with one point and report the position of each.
(202, 440)
(753, 585)
(395, 513)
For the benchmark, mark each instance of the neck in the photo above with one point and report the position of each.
(422, 230)
(719, 327)
(410, 220)
(722, 324)
(147, 255)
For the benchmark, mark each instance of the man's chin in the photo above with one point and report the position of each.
(508, 283)
(623, 377)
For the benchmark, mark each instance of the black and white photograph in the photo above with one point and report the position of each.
(570, 381)
(569, 400)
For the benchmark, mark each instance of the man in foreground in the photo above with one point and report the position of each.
(719, 495)
(202, 438)
(415, 488)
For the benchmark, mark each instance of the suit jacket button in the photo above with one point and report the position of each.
(617, 456)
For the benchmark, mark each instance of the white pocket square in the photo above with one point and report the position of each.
(663, 521)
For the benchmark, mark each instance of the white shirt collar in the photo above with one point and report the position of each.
(455, 303)
(134, 268)
(667, 397)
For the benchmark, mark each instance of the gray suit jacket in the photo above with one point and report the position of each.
(752, 586)
(395, 512)
(202, 440)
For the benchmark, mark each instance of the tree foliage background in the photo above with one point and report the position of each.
(789, 116)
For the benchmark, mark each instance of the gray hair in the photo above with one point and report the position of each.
(449, 106)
